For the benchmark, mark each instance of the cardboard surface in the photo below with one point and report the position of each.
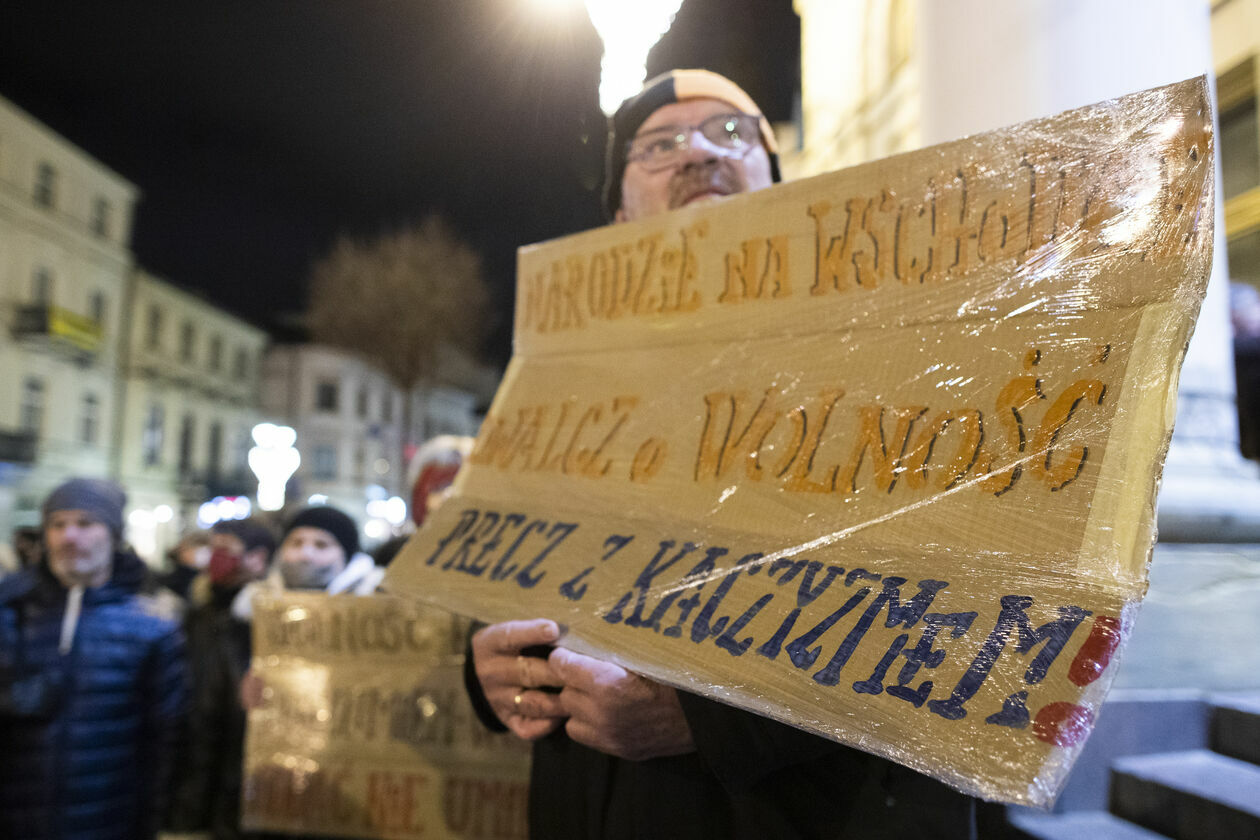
(873, 453)
(366, 730)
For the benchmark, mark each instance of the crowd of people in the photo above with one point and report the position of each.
(110, 670)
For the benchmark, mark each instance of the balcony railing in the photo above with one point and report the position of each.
(61, 328)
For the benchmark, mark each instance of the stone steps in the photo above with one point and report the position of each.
(1235, 728)
(1080, 825)
(1181, 792)
(1189, 795)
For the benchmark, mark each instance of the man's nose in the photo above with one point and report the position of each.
(698, 149)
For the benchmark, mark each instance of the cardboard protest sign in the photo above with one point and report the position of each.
(874, 453)
(365, 729)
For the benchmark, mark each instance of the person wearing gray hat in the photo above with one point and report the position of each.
(78, 552)
(92, 681)
(617, 755)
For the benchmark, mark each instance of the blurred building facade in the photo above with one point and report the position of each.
(348, 419)
(889, 76)
(65, 260)
(109, 370)
(862, 98)
(1236, 51)
(356, 429)
(190, 385)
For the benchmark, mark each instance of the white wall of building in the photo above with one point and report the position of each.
(860, 86)
(350, 419)
(65, 228)
(175, 380)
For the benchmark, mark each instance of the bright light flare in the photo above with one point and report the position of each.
(552, 7)
(629, 31)
(273, 460)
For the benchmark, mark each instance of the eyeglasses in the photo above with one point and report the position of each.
(728, 135)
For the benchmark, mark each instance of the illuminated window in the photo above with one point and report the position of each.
(45, 185)
(41, 287)
(90, 420)
(241, 366)
(216, 353)
(324, 463)
(153, 332)
(187, 430)
(900, 33)
(100, 217)
(387, 407)
(362, 405)
(187, 341)
(31, 411)
(1240, 130)
(154, 432)
(214, 449)
(96, 307)
(244, 441)
(326, 396)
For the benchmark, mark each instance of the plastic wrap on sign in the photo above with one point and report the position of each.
(874, 453)
(365, 729)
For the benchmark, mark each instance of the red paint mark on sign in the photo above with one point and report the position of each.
(1063, 724)
(1092, 659)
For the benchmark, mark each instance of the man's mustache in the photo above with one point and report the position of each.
(710, 176)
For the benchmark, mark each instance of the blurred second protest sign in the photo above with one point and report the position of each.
(365, 729)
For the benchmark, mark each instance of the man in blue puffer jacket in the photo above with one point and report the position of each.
(92, 680)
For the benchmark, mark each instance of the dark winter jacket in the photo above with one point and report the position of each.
(207, 789)
(207, 793)
(85, 737)
(750, 778)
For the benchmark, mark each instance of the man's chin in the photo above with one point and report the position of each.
(703, 198)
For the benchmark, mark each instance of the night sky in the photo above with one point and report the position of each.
(257, 130)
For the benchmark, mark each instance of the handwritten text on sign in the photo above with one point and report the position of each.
(874, 454)
(366, 730)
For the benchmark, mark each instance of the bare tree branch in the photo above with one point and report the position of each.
(397, 298)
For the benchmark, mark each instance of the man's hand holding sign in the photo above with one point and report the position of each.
(873, 455)
(512, 681)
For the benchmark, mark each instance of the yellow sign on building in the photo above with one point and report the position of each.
(874, 453)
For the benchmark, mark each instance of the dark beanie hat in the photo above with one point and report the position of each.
(251, 532)
(103, 499)
(674, 86)
(342, 527)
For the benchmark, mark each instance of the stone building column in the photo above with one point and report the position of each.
(985, 65)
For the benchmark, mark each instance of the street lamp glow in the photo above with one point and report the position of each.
(553, 7)
(273, 460)
(628, 31)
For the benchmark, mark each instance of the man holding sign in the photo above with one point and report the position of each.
(620, 756)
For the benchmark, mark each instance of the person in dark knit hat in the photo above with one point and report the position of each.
(617, 755)
(206, 794)
(692, 131)
(320, 550)
(92, 679)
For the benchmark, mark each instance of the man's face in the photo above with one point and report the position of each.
(701, 173)
(310, 558)
(80, 547)
(230, 564)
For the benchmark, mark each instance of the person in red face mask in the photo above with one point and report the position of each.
(207, 791)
